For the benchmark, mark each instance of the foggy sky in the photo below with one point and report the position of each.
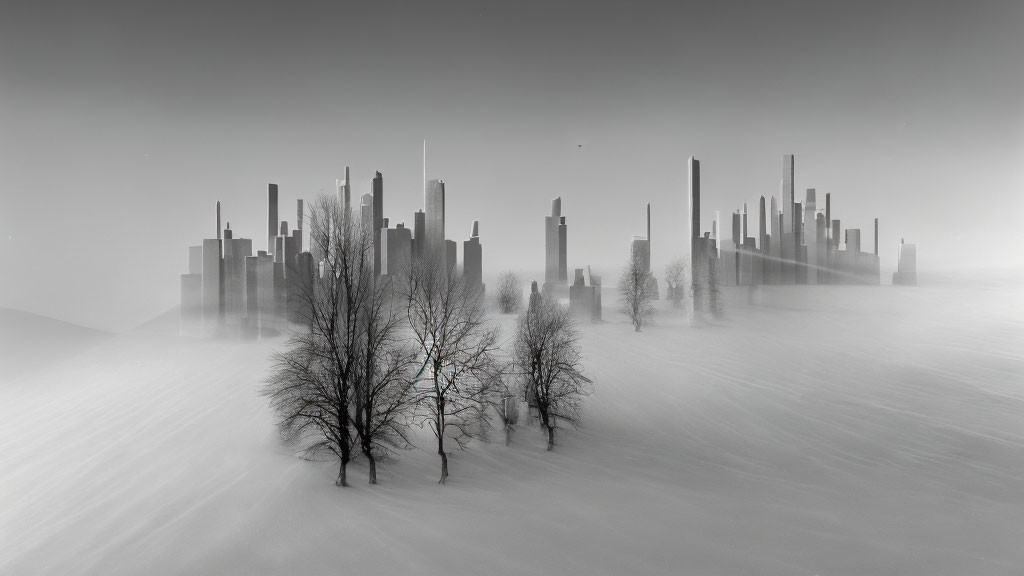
(122, 123)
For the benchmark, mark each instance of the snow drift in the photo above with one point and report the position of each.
(813, 430)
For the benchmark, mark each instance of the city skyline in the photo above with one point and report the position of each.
(116, 129)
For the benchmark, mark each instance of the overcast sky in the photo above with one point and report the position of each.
(122, 123)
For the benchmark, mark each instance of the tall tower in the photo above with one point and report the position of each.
(828, 218)
(694, 181)
(698, 256)
(648, 229)
(788, 202)
(746, 233)
(472, 258)
(419, 231)
(433, 205)
(272, 223)
(377, 191)
(552, 242)
(717, 235)
(762, 222)
(344, 188)
(876, 236)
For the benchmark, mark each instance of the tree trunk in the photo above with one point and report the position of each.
(373, 467)
(508, 435)
(341, 481)
(444, 461)
(551, 438)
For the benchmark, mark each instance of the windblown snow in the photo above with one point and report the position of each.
(813, 430)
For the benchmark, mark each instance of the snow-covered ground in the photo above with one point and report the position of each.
(29, 341)
(814, 430)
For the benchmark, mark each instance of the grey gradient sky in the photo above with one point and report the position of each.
(121, 124)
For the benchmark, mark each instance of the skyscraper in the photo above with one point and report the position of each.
(472, 259)
(811, 236)
(377, 191)
(552, 242)
(788, 202)
(698, 255)
(345, 195)
(271, 216)
(433, 205)
(366, 211)
(419, 240)
(906, 271)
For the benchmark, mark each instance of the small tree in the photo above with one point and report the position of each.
(506, 404)
(635, 293)
(383, 392)
(675, 277)
(510, 292)
(548, 358)
(310, 384)
(458, 352)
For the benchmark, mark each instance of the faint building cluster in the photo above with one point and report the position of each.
(795, 243)
(585, 292)
(231, 290)
(228, 287)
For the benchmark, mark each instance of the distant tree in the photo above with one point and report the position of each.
(548, 359)
(510, 292)
(675, 274)
(311, 382)
(383, 394)
(635, 293)
(458, 348)
(505, 402)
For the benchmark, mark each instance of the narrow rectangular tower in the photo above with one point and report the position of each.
(377, 190)
(271, 216)
(788, 201)
(552, 244)
(433, 205)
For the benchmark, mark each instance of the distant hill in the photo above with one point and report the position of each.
(30, 341)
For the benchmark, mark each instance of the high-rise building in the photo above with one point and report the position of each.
(639, 249)
(811, 236)
(450, 254)
(419, 230)
(433, 205)
(906, 265)
(553, 243)
(377, 191)
(271, 216)
(213, 289)
(472, 259)
(395, 250)
(788, 200)
(366, 212)
(345, 195)
(699, 254)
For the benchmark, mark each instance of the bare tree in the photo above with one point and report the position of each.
(547, 356)
(510, 292)
(505, 401)
(458, 351)
(635, 293)
(675, 274)
(310, 384)
(383, 394)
